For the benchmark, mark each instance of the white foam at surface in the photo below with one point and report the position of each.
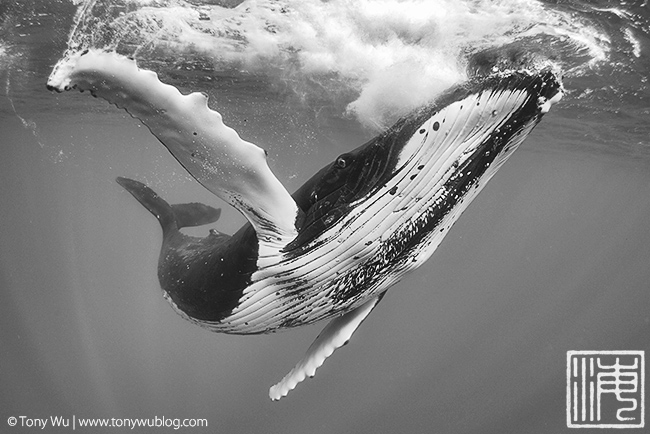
(634, 42)
(386, 56)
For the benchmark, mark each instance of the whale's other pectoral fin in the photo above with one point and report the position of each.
(213, 153)
(335, 335)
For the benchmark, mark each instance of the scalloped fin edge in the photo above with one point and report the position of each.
(336, 334)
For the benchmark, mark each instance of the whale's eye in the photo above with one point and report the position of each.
(343, 161)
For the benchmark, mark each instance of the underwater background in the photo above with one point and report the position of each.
(553, 255)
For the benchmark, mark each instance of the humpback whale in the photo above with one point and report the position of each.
(332, 248)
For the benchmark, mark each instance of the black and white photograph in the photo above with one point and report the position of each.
(324, 216)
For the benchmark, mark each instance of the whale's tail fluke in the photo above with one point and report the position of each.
(171, 217)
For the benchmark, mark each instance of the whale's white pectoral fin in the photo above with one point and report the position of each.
(212, 152)
(335, 334)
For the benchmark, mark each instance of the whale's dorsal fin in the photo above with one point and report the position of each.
(213, 153)
(335, 334)
(195, 214)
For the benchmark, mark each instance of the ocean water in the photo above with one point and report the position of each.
(552, 256)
